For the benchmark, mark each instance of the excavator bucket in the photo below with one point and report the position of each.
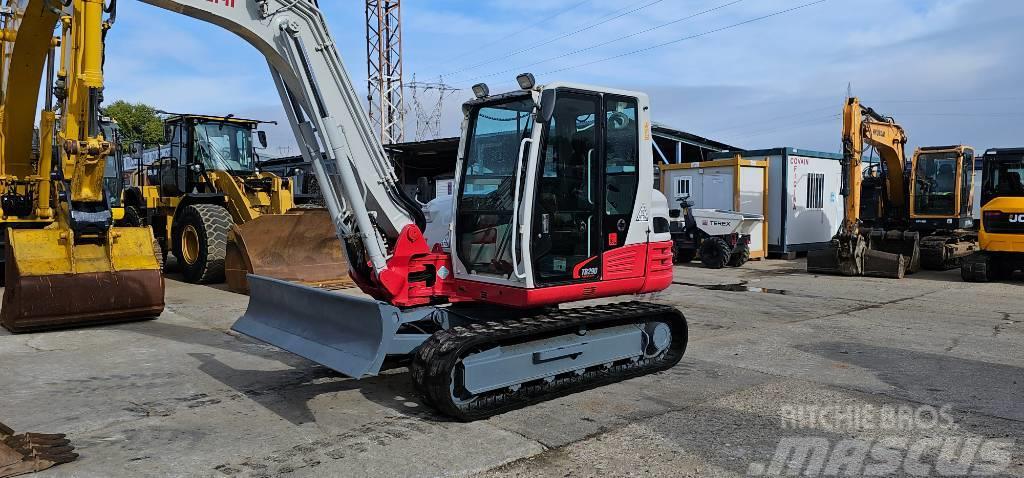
(31, 452)
(895, 242)
(844, 255)
(52, 283)
(851, 256)
(344, 332)
(300, 246)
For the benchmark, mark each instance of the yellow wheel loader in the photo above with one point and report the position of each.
(221, 218)
(65, 262)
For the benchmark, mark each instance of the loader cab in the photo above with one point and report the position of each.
(549, 187)
(942, 187)
(200, 144)
(113, 173)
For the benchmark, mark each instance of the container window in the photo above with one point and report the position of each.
(683, 187)
(815, 191)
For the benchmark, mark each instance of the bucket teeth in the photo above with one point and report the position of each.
(32, 452)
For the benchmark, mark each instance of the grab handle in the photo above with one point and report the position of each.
(515, 210)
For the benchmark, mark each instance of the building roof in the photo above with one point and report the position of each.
(682, 136)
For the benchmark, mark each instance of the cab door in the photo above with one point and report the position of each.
(567, 218)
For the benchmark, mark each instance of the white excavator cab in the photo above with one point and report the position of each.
(554, 187)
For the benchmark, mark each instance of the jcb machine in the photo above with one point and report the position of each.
(555, 204)
(221, 217)
(889, 208)
(1001, 235)
(65, 263)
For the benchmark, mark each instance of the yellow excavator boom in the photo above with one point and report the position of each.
(65, 264)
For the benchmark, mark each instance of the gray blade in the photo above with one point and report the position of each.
(343, 332)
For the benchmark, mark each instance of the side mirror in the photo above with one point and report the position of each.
(262, 136)
(168, 133)
(294, 171)
(137, 150)
(547, 106)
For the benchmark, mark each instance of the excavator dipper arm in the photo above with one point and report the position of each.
(359, 184)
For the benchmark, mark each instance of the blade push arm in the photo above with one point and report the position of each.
(359, 184)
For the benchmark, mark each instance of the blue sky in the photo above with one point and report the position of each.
(948, 70)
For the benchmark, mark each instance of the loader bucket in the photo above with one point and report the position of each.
(25, 453)
(344, 332)
(53, 284)
(300, 246)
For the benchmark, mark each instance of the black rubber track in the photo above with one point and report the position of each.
(435, 361)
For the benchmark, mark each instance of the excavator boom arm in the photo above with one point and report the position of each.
(863, 125)
(359, 185)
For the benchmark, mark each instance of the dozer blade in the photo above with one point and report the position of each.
(343, 332)
(31, 452)
(52, 284)
(300, 246)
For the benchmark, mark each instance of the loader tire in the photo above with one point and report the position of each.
(132, 217)
(715, 253)
(740, 256)
(200, 242)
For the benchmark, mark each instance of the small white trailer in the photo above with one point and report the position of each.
(803, 201)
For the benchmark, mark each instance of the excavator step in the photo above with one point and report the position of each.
(441, 367)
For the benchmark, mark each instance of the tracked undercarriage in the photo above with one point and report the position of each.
(480, 369)
(941, 252)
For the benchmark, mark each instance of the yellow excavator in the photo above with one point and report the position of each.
(221, 217)
(65, 262)
(898, 218)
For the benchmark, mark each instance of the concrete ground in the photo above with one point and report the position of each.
(920, 372)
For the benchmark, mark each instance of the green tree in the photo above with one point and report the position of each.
(138, 122)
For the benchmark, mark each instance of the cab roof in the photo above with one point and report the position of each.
(208, 118)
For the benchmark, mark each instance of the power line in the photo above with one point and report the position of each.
(598, 45)
(615, 16)
(528, 27)
(972, 115)
(952, 100)
(768, 120)
(789, 126)
(690, 37)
